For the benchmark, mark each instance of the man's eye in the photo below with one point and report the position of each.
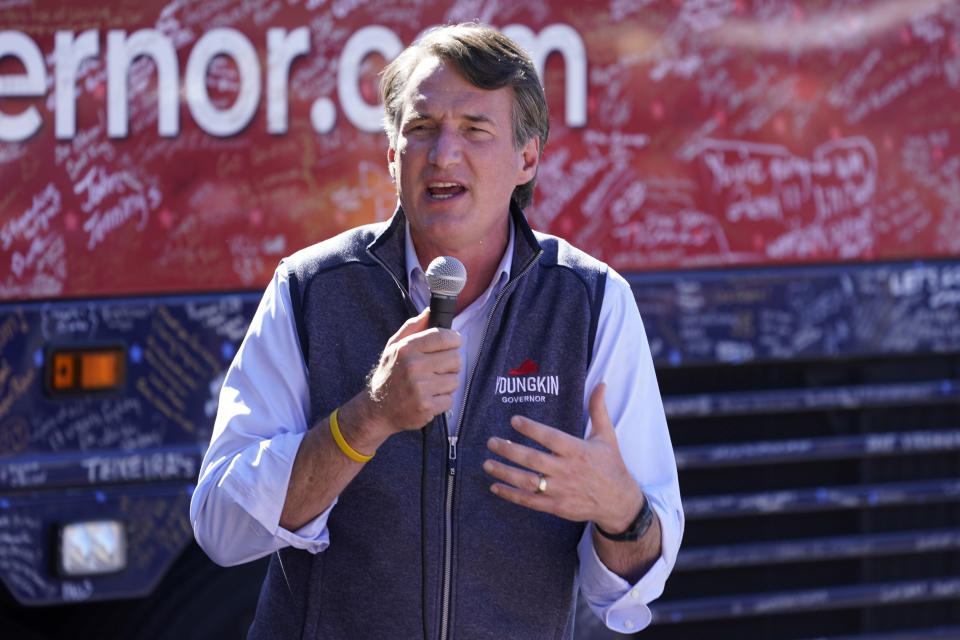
(418, 128)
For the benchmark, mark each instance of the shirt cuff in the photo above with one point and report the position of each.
(264, 500)
(622, 606)
(313, 536)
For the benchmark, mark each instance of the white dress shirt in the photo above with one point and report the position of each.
(264, 408)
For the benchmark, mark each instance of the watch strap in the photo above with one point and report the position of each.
(636, 529)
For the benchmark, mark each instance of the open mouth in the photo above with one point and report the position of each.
(444, 190)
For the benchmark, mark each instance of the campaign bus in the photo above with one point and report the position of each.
(779, 181)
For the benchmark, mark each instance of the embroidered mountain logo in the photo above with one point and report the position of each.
(521, 385)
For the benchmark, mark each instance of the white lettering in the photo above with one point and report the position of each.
(100, 224)
(98, 185)
(76, 591)
(121, 52)
(34, 220)
(372, 39)
(760, 208)
(521, 399)
(913, 281)
(123, 74)
(282, 48)
(549, 385)
(32, 83)
(43, 251)
(234, 44)
(20, 475)
(155, 466)
(68, 54)
(564, 39)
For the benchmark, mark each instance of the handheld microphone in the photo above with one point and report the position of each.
(446, 277)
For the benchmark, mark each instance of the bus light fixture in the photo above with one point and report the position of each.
(93, 548)
(85, 369)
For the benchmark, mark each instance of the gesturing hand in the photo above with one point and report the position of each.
(586, 479)
(416, 376)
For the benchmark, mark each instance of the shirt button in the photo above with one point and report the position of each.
(449, 414)
(635, 593)
(628, 624)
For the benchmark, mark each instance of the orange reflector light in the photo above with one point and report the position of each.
(64, 373)
(78, 370)
(99, 369)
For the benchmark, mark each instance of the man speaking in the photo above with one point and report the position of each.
(545, 463)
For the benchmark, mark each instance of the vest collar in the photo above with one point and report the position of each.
(389, 247)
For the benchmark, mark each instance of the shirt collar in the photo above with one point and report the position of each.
(417, 280)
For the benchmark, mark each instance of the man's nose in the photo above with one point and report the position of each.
(446, 149)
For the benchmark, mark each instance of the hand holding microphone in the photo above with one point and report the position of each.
(417, 373)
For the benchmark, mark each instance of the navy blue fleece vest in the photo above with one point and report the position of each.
(512, 570)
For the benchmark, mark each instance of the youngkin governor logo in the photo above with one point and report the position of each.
(523, 385)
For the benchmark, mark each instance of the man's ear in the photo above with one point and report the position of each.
(391, 158)
(529, 160)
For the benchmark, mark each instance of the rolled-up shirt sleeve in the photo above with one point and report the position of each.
(623, 361)
(261, 420)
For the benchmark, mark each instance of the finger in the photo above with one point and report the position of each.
(436, 339)
(513, 476)
(440, 403)
(446, 362)
(427, 369)
(537, 502)
(553, 439)
(431, 397)
(524, 456)
(445, 384)
(422, 388)
(599, 416)
(413, 325)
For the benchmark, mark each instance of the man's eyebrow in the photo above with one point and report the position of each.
(418, 116)
(479, 117)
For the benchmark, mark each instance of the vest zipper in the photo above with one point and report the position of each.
(448, 541)
(452, 457)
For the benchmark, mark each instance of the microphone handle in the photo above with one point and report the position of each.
(442, 310)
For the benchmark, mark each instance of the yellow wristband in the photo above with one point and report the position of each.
(342, 443)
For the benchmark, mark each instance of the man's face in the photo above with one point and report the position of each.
(455, 163)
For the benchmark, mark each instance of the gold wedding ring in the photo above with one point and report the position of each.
(542, 485)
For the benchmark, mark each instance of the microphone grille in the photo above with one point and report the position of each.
(446, 276)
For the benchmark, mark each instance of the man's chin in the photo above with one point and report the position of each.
(444, 234)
